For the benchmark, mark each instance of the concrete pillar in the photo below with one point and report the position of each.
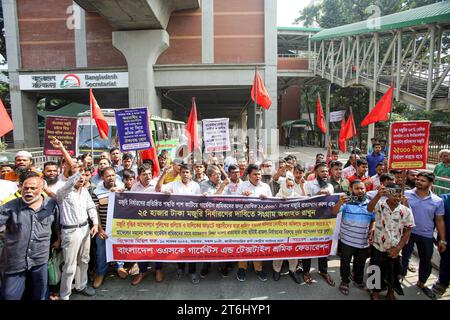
(80, 36)
(207, 31)
(270, 134)
(23, 105)
(251, 128)
(24, 115)
(142, 48)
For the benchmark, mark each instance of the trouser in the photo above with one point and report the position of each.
(143, 266)
(257, 265)
(323, 265)
(35, 279)
(277, 264)
(390, 269)
(359, 261)
(100, 253)
(192, 266)
(222, 265)
(444, 268)
(75, 244)
(425, 250)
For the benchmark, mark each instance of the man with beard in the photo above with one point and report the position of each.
(318, 186)
(51, 177)
(411, 177)
(116, 161)
(428, 210)
(30, 221)
(356, 223)
(339, 184)
(23, 162)
(100, 198)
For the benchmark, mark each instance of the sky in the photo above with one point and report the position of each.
(288, 10)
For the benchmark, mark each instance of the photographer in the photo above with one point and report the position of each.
(393, 225)
(356, 223)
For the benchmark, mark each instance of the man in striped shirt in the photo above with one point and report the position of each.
(100, 197)
(356, 223)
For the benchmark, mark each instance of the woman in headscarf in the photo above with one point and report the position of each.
(287, 187)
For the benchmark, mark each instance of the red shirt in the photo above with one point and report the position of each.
(366, 180)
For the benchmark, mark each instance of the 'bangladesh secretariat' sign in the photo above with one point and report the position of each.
(64, 81)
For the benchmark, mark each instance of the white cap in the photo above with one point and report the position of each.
(23, 153)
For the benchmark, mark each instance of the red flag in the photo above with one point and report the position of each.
(320, 118)
(5, 120)
(341, 140)
(259, 91)
(98, 116)
(152, 154)
(191, 128)
(381, 110)
(348, 131)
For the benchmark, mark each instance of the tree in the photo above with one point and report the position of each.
(2, 33)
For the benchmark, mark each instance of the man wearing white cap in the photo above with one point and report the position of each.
(23, 163)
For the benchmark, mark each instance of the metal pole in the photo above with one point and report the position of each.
(431, 67)
(399, 61)
(327, 114)
(92, 130)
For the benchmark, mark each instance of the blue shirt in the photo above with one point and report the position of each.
(28, 232)
(355, 224)
(424, 211)
(372, 161)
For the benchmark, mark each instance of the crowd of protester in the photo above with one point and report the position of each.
(62, 207)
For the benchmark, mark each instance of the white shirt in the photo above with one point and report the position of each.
(178, 187)
(7, 188)
(138, 187)
(58, 185)
(75, 205)
(231, 188)
(312, 188)
(260, 189)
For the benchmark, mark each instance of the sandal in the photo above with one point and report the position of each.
(328, 279)
(412, 269)
(307, 278)
(438, 289)
(344, 288)
(428, 292)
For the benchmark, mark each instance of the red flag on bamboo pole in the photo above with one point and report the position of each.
(320, 118)
(97, 115)
(259, 92)
(191, 129)
(381, 110)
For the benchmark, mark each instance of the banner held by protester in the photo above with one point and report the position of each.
(133, 129)
(65, 129)
(216, 135)
(159, 227)
(408, 146)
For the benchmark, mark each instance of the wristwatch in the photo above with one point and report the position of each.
(443, 242)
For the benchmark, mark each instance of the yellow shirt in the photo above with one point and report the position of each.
(168, 178)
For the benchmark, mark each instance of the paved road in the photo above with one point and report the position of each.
(214, 287)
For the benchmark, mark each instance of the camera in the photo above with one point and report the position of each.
(396, 192)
